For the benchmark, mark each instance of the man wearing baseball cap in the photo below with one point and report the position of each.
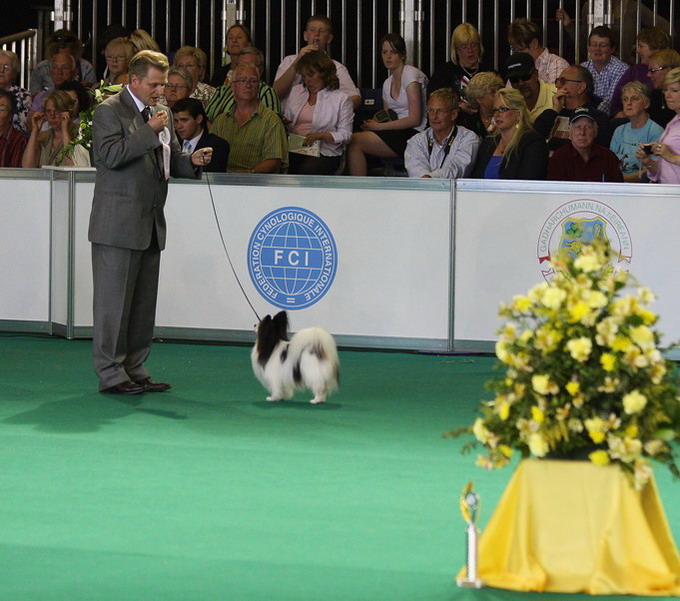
(521, 72)
(582, 160)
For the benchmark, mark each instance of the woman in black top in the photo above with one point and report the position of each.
(515, 151)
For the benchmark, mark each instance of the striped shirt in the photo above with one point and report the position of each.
(12, 144)
(260, 138)
(223, 100)
(606, 80)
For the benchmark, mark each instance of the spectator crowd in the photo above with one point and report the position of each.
(606, 119)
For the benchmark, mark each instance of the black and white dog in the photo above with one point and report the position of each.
(309, 360)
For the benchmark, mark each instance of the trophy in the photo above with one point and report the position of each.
(469, 508)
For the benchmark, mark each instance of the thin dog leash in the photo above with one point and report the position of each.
(224, 245)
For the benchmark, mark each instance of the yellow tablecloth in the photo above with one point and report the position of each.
(570, 526)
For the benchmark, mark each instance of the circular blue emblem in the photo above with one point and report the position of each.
(292, 258)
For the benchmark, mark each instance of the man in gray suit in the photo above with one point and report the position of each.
(135, 151)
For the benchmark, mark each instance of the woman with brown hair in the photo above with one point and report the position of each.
(238, 38)
(318, 111)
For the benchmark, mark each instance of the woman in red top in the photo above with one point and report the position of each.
(12, 141)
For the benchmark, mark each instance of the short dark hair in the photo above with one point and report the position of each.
(523, 31)
(587, 78)
(84, 98)
(655, 37)
(321, 19)
(193, 106)
(396, 42)
(602, 31)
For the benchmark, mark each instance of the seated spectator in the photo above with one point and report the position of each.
(663, 160)
(62, 41)
(583, 160)
(179, 86)
(649, 41)
(82, 99)
(141, 40)
(256, 136)
(62, 69)
(605, 68)
(223, 99)
(515, 151)
(480, 95)
(188, 116)
(110, 32)
(465, 63)
(526, 36)
(12, 141)
(44, 148)
(404, 94)
(444, 149)
(574, 90)
(9, 70)
(318, 111)
(318, 34)
(639, 130)
(660, 64)
(118, 53)
(195, 61)
(523, 76)
(238, 39)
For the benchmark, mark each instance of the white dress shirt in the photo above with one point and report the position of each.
(425, 156)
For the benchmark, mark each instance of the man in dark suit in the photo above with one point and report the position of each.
(135, 152)
(190, 124)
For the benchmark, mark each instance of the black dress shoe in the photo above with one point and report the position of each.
(150, 386)
(126, 388)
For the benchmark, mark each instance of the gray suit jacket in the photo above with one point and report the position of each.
(129, 192)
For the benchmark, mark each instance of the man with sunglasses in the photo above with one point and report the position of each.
(521, 72)
(574, 90)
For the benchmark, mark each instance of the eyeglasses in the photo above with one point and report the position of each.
(187, 65)
(175, 86)
(115, 59)
(500, 109)
(248, 82)
(516, 80)
(438, 112)
(5, 67)
(468, 47)
(655, 69)
(560, 81)
(52, 112)
(4, 109)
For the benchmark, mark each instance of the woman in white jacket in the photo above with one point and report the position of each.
(318, 112)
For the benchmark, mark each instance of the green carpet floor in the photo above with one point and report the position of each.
(207, 492)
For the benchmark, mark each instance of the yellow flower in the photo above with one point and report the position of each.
(596, 429)
(506, 450)
(610, 385)
(537, 415)
(480, 431)
(652, 447)
(642, 473)
(508, 332)
(608, 361)
(538, 445)
(504, 410)
(642, 336)
(625, 449)
(525, 336)
(621, 343)
(578, 312)
(522, 304)
(573, 387)
(606, 331)
(647, 316)
(580, 348)
(596, 299)
(646, 296)
(587, 262)
(599, 457)
(634, 402)
(631, 431)
(540, 383)
(537, 291)
(502, 352)
(553, 297)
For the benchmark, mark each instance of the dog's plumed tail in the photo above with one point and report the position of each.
(313, 362)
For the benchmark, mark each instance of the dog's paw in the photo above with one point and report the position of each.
(316, 400)
(272, 399)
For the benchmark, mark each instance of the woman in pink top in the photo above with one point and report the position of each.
(319, 112)
(662, 158)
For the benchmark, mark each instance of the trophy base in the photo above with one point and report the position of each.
(467, 583)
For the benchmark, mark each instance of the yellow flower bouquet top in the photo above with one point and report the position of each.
(582, 375)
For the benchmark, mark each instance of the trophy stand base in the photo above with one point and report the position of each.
(467, 583)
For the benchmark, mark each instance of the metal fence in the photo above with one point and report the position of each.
(24, 45)
(277, 26)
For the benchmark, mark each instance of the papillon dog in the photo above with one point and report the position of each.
(308, 360)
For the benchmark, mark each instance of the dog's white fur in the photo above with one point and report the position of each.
(315, 351)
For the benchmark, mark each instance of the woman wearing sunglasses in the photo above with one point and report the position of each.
(515, 151)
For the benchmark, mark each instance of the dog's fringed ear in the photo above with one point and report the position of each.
(281, 324)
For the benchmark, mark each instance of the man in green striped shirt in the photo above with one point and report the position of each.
(256, 136)
(223, 100)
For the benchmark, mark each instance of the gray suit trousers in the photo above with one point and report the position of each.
(125, 293)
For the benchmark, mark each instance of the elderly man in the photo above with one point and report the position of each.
(9, 69)
(583, 160)
(318, 34)
(605, 68)
(444, 149)
(574, 90)
(223, 100)
(523, 76)
(62, 68)
(256, 136)
(526, 36)
(135, 152)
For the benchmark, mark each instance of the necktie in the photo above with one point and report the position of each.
(187, 146)
(146, 114)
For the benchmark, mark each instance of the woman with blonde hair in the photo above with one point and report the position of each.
(195, 61)
(660, 64)
(481, 94)
(118, 53)
(465, 63)
(515, 150)
(141, 40)
(662, 161)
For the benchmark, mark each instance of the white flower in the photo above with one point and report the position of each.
(553, 297)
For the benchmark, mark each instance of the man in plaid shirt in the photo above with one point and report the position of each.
(605, 68)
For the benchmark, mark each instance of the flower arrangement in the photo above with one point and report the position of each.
(583, 376)
(84, 136)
